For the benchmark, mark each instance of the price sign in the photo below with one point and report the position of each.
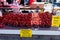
(55, 21)
(25, 33)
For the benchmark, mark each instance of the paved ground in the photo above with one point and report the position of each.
(16, 37)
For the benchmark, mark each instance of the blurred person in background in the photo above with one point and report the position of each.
(39, 0)
(9, 1)
(18, 5)
(19, 1)
(2, 2)
(22, 2)
(31, 1)
(15, 2)
(26, 2)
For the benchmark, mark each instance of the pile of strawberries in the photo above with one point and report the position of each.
(17, 19)
(45, 19)
(40, 19)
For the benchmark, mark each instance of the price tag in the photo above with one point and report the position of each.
(55, 21)
(25, 33)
